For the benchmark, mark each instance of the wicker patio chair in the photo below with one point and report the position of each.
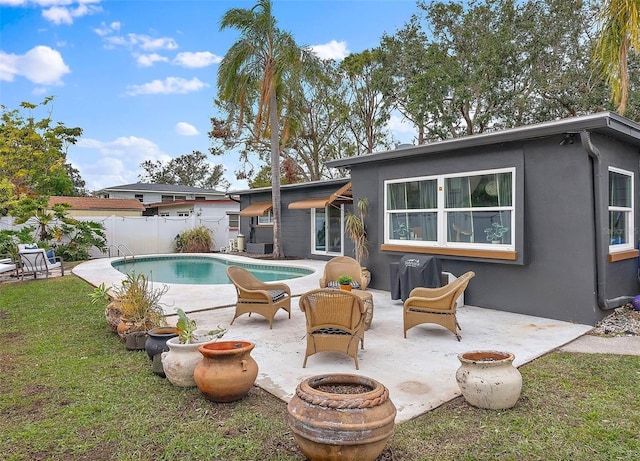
(343, 265)
(335, 322)
(259, 297)
(436, 305)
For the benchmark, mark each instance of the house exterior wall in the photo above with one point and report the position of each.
(119, 212)
(554, 274)
(296, 224)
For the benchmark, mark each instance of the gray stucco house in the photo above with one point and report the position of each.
(546, 214)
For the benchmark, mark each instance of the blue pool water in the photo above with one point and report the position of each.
(201, 270)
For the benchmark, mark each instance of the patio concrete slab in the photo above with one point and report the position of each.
(419, 371)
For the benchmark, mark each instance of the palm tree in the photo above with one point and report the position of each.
(618, 33)
(256, 68)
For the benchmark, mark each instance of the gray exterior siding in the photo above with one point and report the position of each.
(296, 224)
(554, 274)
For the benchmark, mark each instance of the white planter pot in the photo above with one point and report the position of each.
(488, 379)
(181, 359)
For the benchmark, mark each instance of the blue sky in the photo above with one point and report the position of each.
(139, 77)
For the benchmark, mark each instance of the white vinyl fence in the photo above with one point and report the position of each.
(147, 234)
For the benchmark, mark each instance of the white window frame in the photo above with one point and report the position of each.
(314, 230)
(266, 219)
(234, 218)
(442, 212)
(629, 211)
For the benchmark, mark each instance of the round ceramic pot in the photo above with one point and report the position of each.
(181, 360)
(112, 314)
(341, 416)
(156, 344)
(227, 371)
(157, 340)
(488, 379)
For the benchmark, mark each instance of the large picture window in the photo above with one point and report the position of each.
(620, 210)
(457, 210)
(327, 235)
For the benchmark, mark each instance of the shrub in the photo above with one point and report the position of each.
(196, 240)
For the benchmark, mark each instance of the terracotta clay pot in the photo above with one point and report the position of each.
(341, 417)
(227, 371)
(488, 379)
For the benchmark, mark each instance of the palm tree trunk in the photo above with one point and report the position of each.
(275, 172)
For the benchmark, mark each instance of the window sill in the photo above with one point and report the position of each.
(622, 255)
(485, 254)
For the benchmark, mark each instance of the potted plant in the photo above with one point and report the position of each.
(141, 309)
(180, 361)
(495, 232)
(345, 281)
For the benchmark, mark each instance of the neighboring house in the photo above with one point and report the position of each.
(560, 197)
(92, 206)
(312, 214)
(160, 193)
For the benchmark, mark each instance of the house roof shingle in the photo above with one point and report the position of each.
(93, 203)
(173, 188)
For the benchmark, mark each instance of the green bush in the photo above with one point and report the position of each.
(196, 240)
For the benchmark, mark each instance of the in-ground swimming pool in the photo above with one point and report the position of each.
(201, 270)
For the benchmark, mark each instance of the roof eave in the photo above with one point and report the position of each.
(607, 122)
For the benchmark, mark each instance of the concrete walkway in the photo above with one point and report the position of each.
(419, 371)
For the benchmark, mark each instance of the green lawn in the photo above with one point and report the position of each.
(69, 390)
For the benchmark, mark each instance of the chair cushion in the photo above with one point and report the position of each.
(277, 295)
(334, 284)
(329, 331)
(31, 247)
(51, 256)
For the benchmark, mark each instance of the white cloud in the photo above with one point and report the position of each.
(149, 43)
(41, 65)
(107, 29)
(148, 60)
(103, 164)
(332, 50)
(197, 59)
(186, 129)
(170, 85)
(62, 13)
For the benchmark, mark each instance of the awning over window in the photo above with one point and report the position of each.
(342, 195)
(256, 209)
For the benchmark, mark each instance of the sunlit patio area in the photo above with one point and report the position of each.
(419, 370)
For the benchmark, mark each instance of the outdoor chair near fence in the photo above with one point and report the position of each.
(34, 261)
(255, 296)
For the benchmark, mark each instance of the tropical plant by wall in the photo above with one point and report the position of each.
(196, 240)
(354, 225)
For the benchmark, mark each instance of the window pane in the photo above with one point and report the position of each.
(320, 237)
(619, 190)
(479, 226)
(414, 226)
(412, 195)
(618, 228)
(334, 229)
(396, 196)
(488, 190)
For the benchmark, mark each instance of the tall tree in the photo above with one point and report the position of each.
(369, 111)
(186, 170)
(254, 72)
(33, 153)
(618, 35)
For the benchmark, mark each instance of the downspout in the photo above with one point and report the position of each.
(602, 238)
